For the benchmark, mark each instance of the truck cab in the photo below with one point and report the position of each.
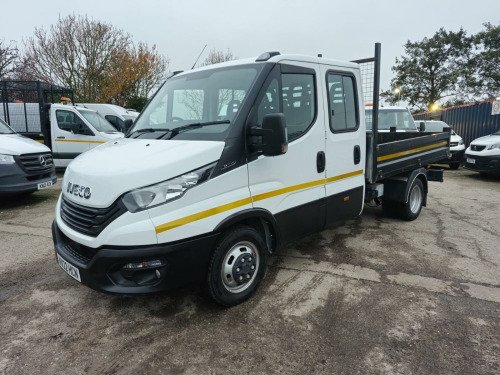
(75, 130)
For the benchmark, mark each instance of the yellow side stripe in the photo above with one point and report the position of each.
(412, 151)
(242, 202)
(202, 215)
(342, 176)
(76, 140)
(39, 140)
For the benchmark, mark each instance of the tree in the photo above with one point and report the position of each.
(133, 73)
(9, 57)
(434, 69)
(486, 80)
(97, 60)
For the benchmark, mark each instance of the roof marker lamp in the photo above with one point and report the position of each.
(166, 191)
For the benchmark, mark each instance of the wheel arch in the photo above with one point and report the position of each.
(261, 220)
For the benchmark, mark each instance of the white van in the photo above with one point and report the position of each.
(25, 165)
(115, 114)
(397, 118)
(483, 155)
(72, 130)
(226, 164)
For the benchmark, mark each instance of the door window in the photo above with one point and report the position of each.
(67, 120)
(297, 100)
(298, 103)
(342, 103)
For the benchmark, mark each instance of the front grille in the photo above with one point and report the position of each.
(453, 144)
(88, 220)
(37, 163)
(477, 148)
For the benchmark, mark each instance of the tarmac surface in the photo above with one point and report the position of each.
(374, 296)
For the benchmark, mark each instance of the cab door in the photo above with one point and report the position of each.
(345, 144)
(291, 186)
(70, 136)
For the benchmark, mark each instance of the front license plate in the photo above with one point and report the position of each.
(44, 185)
(69, 268)
(471, 161)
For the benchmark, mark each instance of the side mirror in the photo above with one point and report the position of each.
(422, 126)
(273, 133)
(127, 124)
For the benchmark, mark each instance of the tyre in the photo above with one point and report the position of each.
(237, 266)
(411, 209)
(454, 166)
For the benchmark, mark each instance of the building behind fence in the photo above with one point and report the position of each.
(470, 121)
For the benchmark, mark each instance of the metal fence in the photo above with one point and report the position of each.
(470, 121)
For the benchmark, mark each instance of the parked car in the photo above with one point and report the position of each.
(457, 146)
(25, 165)
(483, 155)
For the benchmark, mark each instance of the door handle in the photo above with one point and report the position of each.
(320, 161)
(61, 137)
(357, 154)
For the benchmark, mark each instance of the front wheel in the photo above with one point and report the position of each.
(237, 266)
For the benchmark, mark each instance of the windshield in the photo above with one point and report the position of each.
(97, 121)
(435, 126)
(204, 97)
(4, 128)
(400, 118)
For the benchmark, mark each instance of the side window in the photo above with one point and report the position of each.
(112, 120)
(66, 120)
(298, 103)
(342, 103)
(269, 102)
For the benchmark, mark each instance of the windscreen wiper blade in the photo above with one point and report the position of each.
(174, 132)
(149, 130)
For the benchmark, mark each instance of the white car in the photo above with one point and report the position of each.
(457, 146)
(398, 118)
(483, 155)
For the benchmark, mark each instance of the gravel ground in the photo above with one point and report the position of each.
(374, 296)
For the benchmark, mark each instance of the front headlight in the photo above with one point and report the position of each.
(492, 147)
(6, 159)
(166, 191)
(460, 142)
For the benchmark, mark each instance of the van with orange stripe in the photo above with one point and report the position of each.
(228, 163)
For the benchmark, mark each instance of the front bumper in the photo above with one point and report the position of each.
(483, 164)
(13, 179)
(183, 262)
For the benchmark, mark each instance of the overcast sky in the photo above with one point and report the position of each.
(337, 29)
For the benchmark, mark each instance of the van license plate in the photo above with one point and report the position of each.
(69, 268)
(44, 185)
(471, 161)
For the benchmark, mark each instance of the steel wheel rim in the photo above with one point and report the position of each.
(241, 248)
(415, 199)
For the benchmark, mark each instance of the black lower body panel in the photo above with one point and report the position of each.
(13, 180)
(182, 263)
(344, 206)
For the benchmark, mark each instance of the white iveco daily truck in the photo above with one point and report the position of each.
(226, 164)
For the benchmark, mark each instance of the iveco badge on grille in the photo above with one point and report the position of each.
(79, 191)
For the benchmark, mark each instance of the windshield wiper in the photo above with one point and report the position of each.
(174, 132)
(149, 130)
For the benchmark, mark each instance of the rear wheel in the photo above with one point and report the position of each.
(237, 266)
(411, 209)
